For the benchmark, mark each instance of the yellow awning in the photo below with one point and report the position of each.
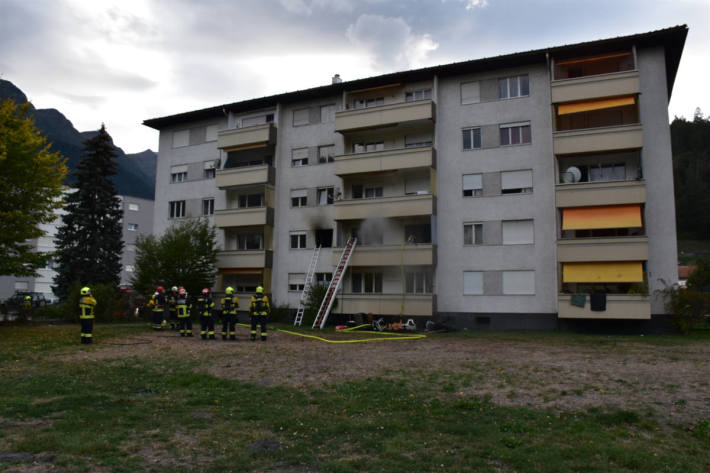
(622, 271)
(610, 216)
(599, 104)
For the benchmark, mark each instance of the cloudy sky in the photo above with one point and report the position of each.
(123, 61)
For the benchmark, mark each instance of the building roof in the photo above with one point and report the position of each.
(672, 39)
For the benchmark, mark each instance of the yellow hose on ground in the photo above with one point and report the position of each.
(381, 335)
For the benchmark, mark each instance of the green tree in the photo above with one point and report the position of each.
(30, 190)
(185, 255)
(90, 239)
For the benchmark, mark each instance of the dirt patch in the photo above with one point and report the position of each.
(671, 382)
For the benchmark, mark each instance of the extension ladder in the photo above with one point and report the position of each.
(304, 294)
(335, 282)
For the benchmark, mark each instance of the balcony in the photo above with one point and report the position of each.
(384, 207)
(249, 137)
(244, 217)
(389, 255)
(605, 85)
(244, 176)
(618, 306)
(388, 160)
(603, 249)
(244, 259)
(590, 140)
(384, 116)
(387, 304)
(600, 193)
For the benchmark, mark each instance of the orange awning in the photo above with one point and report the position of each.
(609, 216)
(599, 104)
(590, 59)
(620, 271)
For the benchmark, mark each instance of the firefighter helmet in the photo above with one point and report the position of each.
(229, 290)
(159, 289)
(85, 291)
(205, 291)
(28, 298)
(259, 290)
(174, 289)
(182, 291)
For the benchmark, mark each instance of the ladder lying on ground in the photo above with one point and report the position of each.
(335, 282)
(304, 294)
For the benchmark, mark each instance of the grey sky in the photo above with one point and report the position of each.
(123, 61)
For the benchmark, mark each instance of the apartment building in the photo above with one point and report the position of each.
(527, 190)
(137, 220)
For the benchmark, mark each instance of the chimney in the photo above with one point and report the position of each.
(337, 79)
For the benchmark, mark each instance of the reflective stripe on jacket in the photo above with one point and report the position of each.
(86, 306)
(259, 305)
(229, 305)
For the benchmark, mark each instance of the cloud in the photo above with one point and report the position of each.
(390, 42)
(471, 4)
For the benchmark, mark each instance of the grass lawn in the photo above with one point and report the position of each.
(167, 413)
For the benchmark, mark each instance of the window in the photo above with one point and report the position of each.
(133, 207)
(418, 233)
(211, 132)
(368, 147)
(418, 282)
(470, 92)
(181, 138)
(367, 283)
(327, 113)
(251, 200)
(301, 117)
(516, 182)
(416, 185)
(254, 121)
(129, 268)
(210, 169)
(207, 206)
(323, 279)
(366, 103)
(472, 233)
(324, 238)
(132, 227)
(518, 282)
(326, 154)
(299, 198)
(607, 64)
(130, 247)
(324, 196)
(250, 241)
(607, 172)
(298, 240)
(518, 232)
(608, 111)
(372, 192)
(417, 141)
(472, 185)
(471, 138)
(299, 157)
(473, 283)
(177, 209)
(421, 94)
(357, 191)
(511, 87)
(178, 174)
(515, 134)
(296, 281)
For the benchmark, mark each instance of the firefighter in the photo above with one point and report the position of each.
(26, 308)
(86, 316)
(259, 310)
(158, 309)
(204, 305)
(183, 307)
(172, 308)
(229, 304)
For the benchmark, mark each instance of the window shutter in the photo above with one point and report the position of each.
(518, 232)
(518, 282)
(178, 169)
(470, 92)
(472, 181)
(473, 282)
(516, 179)
(299, 193)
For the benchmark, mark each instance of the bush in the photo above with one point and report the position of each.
(315, 295)
(109, 306)
(687, 306)
(281, 313)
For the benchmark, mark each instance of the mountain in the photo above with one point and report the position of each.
(136, 172)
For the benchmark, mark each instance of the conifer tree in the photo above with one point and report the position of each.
(89, 241)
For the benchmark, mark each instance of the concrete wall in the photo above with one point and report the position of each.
(453, 209)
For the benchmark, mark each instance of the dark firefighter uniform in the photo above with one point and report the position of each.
(172, 308)
(158, 309)
(183, 307)
(259, 310)
(229, 304)
(86, 315)
(204, 305)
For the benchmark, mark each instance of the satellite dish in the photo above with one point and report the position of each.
(572, 174)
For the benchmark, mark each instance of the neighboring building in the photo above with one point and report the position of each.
(489, 192)
(137, 220)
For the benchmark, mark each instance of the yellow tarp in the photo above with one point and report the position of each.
(610, 216)
(621, 271)
(599, 104)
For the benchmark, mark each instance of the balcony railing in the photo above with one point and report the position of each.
(598, 139)
(384, 115)
(603, 249)
(587, 194)
(420, 254)
(252, 136)
(388, 304)
(244, 259)
(244, 217)
(244, 176)
(387, 160)
(618, 306)
(384, 207)
(590, 87)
